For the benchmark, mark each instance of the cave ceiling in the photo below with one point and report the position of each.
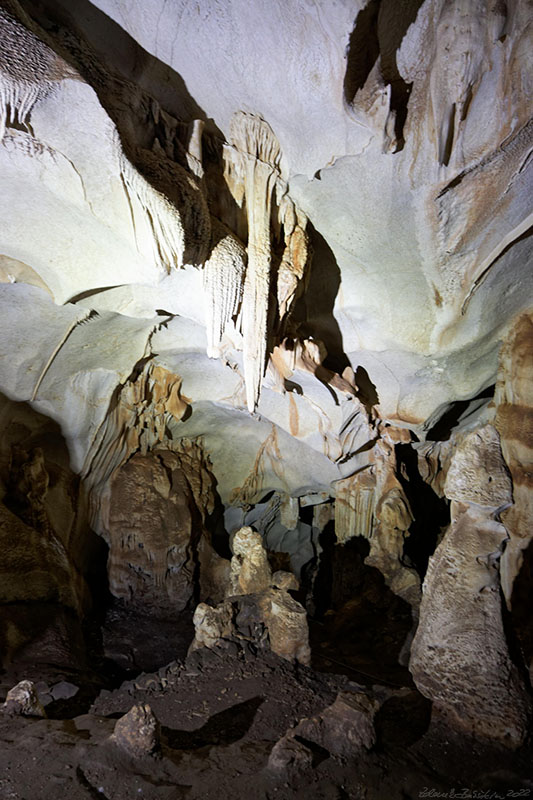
(279, 227)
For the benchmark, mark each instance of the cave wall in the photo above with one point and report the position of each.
(257, 263)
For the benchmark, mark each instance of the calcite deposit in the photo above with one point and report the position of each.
(266, 376)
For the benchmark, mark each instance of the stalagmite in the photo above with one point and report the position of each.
(373, 504)
(459, 656)
(257, 262)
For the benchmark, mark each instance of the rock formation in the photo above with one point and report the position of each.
(160, 553)
(343, 729)
(266, 291)
(23, 699)
(258, 607)
(459, 656)
(137, 732)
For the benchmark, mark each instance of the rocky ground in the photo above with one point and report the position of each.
(221, 713)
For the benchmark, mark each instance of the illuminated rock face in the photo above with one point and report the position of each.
(278, 244)
(459, 656)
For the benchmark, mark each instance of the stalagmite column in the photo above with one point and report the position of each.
(459, 656)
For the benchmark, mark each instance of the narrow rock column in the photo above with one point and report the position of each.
(514, 421)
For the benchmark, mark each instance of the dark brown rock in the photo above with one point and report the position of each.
(137, 732)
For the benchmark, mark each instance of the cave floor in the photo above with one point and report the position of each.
(221, 711)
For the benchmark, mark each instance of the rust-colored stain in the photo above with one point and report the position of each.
(438, 296)
(294, 422)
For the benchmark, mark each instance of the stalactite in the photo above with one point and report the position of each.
(295, 256)
(163, 218)
(258, 156)
(28, 71)
(224, 273)
(136, 422)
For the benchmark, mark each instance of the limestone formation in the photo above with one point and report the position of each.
(160, 552)
(22, 699)
(513, 420)
(137, 732)
(269, 619)
(250, 570)
(478, 473)
(258, 607)
(285, 580)
(286, 623)
(224, 274)
(44, 592)
(212, 625)
(290, 758)
(460, 657)
(373, 504)
(343, 729)
(257, 261)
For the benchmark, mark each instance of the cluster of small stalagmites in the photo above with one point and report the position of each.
(258, 607)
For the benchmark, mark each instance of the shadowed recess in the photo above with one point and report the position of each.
(378, 33)
(224, 728)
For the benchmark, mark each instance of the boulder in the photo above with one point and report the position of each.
(137, 732)
(23, 700)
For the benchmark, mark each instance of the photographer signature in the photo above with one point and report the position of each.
(473, 794)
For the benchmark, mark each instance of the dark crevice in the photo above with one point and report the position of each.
(395, 17)
(363, 50)
(514, 643)
(390, 720)
(447, 145)
(521, 619)
(378, 33)
(92, 292)
(431, 512)
(467, 102)
(456, 413)
(357, 625)
(312, 314)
